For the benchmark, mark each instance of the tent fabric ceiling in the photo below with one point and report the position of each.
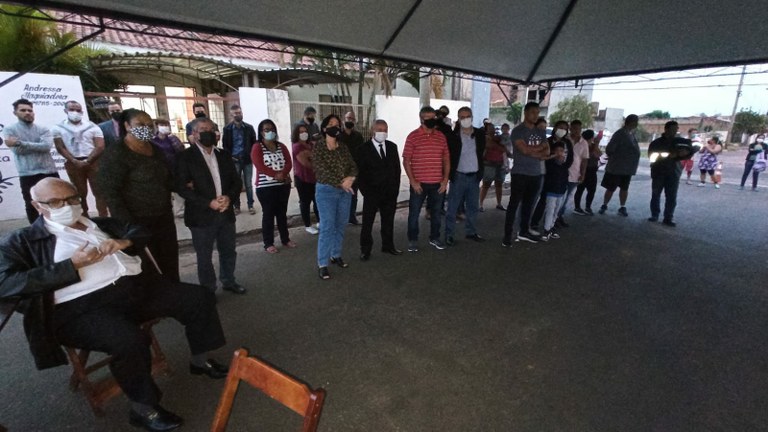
(532, 41)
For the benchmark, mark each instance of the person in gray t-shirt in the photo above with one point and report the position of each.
(531, 147)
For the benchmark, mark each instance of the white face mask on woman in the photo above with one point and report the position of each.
(560, 133)
(303, 136)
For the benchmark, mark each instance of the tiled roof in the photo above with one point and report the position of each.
(166, 43)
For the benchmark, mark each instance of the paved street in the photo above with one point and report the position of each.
(620, 325)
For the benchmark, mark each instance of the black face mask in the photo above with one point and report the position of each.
(349, 125)
(199, 114)
(238, 119)
(333, 131)
(208, 139)
(116, 115)
(430, 123)
(310, 120)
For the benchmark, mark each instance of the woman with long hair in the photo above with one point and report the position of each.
(304, 175)
(335, 171)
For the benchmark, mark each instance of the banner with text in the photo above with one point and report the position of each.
(48, 93)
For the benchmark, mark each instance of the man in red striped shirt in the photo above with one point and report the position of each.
(427, 163)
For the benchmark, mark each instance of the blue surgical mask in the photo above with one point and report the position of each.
(270, 135)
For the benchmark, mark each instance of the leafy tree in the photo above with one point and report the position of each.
(24, 42)
(514, 112)
(577, 107)
(657, 114)
(747, 121)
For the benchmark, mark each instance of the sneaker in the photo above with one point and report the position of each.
(623, 211)
(534, 231)
(506, 243)
(603, 208)
(545, 235)
(500, 207)
(579, 212)
(717, 186)
(413, 247)
(653, 219)
(529, 237)
(669, 223)
(437, 244)
(561, 223)
(554, 235)
(449, 241)
(311, 230)
(688, 182)
(475, 237)
(589, 211)
(701, 185)
(251, 210)
(481, 209)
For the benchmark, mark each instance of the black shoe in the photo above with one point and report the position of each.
(475, 237)
(561, 223)
(339, 262)
(669, 223)
(449, 241)
(589, 211)
(323, 272)
(653, 219)
(237, 289)
(603, 209)
(392, 251)
(354, 221)
(623, 211)
(157, 420)
(212, 368)
(365, 256)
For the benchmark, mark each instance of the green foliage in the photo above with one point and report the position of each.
(642, 135)
(577, 107)
(747, 121)
(657, 114)
(24, 42)
(514, 112)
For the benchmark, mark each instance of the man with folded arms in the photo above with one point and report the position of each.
(81, 286)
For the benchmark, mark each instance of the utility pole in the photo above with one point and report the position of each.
(735, 106)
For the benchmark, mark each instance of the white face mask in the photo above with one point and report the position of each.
(74, 116)
(560, 133)
(165, 130)
(303, 136)
(466, 123)
(67, 215)
(759, 140)
(380, 136)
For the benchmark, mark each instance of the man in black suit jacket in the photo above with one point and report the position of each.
(207, 180)
(237, 139)
(378, 167)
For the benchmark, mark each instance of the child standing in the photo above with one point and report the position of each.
(555, 187)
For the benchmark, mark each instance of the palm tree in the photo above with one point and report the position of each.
(24, 42)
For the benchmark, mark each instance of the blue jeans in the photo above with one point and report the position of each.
(571, 187)
(333, 204)
(464, 187)
(669, 184)
(245, 171)
(429, 192)
(221, 232)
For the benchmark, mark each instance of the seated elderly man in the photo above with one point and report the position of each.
(82, 286)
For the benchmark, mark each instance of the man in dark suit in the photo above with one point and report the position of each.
(81, 285)
(378, 167)
(111, 127)
(237, 139)
(207, 180)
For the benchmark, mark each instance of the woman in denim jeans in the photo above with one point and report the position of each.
(335, 171)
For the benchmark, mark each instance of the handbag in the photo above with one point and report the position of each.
(760, 164)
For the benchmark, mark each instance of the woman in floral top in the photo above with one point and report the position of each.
(335, 172)
(708, 160)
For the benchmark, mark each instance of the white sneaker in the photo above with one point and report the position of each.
(311, 230)
(701, 185)
(717, 186)
(533, 231)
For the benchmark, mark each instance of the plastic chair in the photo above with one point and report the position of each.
(279, 386)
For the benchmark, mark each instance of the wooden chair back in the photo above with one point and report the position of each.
(279, 386)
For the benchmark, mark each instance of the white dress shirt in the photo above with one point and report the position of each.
(376, 147)
(95, 276)
(213, 167)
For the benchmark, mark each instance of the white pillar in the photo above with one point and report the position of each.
(425, 87)
(481, 100)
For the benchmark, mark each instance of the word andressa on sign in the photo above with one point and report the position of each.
(39, 88)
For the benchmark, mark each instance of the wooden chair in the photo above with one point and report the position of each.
(285, 389)
(99, 391)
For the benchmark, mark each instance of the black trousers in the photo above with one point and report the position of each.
(523, 190)
(26, 183)
(590, 185)
(306, 197)
(108, 321)
(353, 205)
(274, 206)
(386, 205)
(164, 245)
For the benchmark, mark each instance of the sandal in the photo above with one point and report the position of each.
(271, 249)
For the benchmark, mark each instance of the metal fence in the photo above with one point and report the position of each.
(365, 114)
